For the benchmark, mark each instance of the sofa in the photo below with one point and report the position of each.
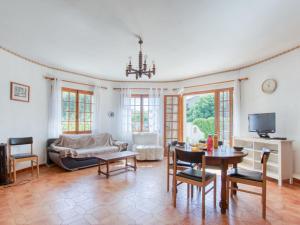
(73, 152)
(147, 145)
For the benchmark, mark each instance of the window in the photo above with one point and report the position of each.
(139, 113)
(141, 106)
(76, 111)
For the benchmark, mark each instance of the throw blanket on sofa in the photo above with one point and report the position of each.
(80, 146)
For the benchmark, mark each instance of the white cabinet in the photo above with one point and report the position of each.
(280, 163)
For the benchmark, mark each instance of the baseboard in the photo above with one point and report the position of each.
(296, 175)
(296, 178)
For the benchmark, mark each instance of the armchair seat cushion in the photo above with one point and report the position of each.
(147, 145)
(149, 152)
(23, 156)
(194, 174)
(245, 174)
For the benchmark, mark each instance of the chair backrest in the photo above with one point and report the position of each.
(145, 138)
(190, 157)
(264, 160)
(187, 156)
(173, 143)
(265, 155)
(20, 141)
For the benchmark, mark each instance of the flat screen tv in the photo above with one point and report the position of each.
(262, 124)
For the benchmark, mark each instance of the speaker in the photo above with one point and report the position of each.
(3, 165)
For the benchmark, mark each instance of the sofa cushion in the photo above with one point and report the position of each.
(89, 152)
(80, 146)
(84, 141)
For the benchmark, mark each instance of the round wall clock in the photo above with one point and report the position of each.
(269, 86)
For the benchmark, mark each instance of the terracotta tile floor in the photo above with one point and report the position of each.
(83, 197)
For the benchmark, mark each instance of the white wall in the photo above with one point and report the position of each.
(20, 119)
(284, 101)
(30, 119)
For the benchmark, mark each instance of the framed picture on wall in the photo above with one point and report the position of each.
(19, 92)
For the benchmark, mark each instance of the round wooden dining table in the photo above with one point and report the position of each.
(221, 158)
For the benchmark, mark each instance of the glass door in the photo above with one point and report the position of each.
(171, 118)
(225, 111)
(208, 113)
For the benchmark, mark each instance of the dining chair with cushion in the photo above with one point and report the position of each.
(252, 178)
(170, 159)
(22, 156)
(197, 177)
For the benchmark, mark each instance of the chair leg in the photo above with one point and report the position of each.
(231, 192)
(215, 192)
(174, 192)
(227, 191)
(188, 191)
(37, 167)
(9, 169)
(31, 168)
(168, 179)
(192, 191)
(203, 202)
(15, 171)
(264, 199)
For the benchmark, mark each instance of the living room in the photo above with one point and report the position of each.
(103, 100)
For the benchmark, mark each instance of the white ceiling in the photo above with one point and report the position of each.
(185, 38)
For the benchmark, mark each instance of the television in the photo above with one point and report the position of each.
(262, 124)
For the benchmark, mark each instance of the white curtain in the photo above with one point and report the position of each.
(156, 112)
(126, 129)
(55, 112)
(236, 107)
(96, 110)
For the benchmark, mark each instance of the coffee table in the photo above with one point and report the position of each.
(110, 157)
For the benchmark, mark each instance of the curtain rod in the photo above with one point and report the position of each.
(200, 85)
(74, 82)
(119, 89)
(219, 82)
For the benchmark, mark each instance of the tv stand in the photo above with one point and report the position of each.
(280, 163)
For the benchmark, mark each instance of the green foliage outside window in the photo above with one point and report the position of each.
(202, 114)
(203, 108)
(207, 126)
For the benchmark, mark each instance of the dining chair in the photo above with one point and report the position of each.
(21, 157)
(192, 176)
(170, 159)
(252, 178)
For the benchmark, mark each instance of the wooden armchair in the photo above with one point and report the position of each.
(21, 157)
(251, 178)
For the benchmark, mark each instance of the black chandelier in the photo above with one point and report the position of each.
(142, 70)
